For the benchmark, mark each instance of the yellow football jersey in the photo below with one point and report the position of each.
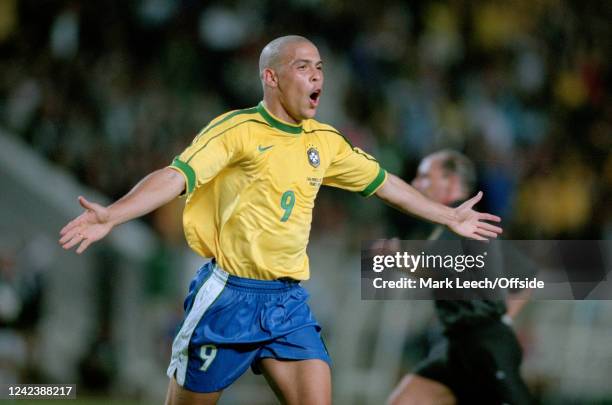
(251, 183)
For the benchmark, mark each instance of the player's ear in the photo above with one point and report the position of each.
(269, 77)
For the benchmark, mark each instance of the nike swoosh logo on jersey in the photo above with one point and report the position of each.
(264, 148)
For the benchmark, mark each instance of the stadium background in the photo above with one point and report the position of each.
(94, 95)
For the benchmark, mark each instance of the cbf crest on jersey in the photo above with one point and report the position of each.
(313, 156)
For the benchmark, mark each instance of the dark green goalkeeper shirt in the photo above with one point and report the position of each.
(459, 312)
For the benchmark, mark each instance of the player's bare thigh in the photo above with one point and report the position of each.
(414, 389)
(178, 395)
(303, 382)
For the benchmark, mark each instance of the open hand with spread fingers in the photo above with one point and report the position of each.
(89, 227)
(472, 224)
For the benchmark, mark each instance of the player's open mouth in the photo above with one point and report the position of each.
(314, 98)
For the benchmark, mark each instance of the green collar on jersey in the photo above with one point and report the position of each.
(275, 123)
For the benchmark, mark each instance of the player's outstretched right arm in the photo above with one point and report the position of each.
(96, 222)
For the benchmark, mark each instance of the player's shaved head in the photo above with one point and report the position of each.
(291, 73)
(272, 54)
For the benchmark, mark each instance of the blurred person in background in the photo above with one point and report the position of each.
(479, 360)
(22, 282)
(251, 177)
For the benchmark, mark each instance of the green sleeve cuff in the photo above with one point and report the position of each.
(376, 183)
(187, 172)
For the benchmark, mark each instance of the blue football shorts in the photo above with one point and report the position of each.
(232, 322)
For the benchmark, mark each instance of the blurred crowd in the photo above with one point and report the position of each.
(112, 90)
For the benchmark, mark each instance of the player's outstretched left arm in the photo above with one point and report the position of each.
(462, 220)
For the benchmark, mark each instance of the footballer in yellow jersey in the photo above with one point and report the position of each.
(252, 180)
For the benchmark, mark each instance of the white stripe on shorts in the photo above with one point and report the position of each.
(207, 294)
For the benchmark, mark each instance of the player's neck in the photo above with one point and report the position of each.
(276, 109)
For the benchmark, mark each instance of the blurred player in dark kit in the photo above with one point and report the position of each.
(478, 362)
